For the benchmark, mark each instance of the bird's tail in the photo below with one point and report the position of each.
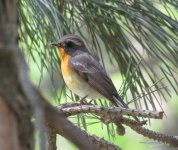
(119, 102)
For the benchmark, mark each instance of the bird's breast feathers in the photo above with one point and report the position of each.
(75, 83)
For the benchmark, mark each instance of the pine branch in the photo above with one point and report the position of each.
(77, 108)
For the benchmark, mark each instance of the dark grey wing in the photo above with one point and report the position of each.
(93, 73)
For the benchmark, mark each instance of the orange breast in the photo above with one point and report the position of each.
(65, 68)
(74, 82)
(71, 78)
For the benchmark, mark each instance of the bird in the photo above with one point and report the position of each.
(83, 74)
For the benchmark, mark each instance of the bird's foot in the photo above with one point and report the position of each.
(90, 102)
(83, 100)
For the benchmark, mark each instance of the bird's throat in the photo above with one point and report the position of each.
(63, 55)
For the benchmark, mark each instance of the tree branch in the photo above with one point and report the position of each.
(51, 139)
(77, 108)
(100, 142)
(8, 128)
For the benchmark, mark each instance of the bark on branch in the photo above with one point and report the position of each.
(77, 108)
(8, 128)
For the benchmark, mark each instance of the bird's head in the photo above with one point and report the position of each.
(69, 44)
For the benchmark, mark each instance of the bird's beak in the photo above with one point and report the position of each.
(54, 44)
(57, 43)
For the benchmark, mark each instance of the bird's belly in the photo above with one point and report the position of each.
(79, 86)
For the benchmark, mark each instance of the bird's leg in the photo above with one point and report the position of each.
(90, 102)
(83, 100)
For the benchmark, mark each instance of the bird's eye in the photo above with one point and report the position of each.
(69, 44)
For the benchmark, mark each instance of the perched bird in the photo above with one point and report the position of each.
(83, 74)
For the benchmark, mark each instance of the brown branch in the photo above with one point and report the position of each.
(8, 128)
(10, 91)
(100, 142)
(78, 108)
(51, 139)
